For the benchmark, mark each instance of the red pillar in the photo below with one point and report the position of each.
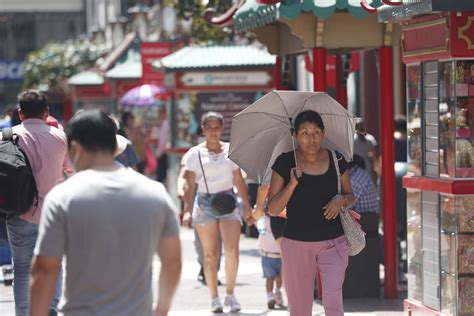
(388, 173)
(277, 71)
(319, 69)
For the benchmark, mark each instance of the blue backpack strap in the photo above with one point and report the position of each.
(7, 134)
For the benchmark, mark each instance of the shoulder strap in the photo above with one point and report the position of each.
(202, 169)
(336, 165)
(7, 133)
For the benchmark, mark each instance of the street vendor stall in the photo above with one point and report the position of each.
(438, 50)
(224, 79)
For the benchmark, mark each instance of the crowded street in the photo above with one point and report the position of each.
(191, 296)
(236, 157)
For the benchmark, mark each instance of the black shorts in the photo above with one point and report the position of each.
(278, 226)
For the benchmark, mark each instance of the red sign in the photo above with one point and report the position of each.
(462, 34)
(150, 52)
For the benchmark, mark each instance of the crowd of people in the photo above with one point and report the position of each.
(108, 221)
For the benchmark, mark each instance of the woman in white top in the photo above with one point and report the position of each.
(221, 175)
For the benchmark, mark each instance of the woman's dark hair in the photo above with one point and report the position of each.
(209, 116)
(308, 116)
(94, 130)
(125, 117)
(33, 103)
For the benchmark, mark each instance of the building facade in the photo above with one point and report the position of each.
(28, 25)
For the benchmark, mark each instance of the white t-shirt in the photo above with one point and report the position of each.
(108, 225)
(219, 169)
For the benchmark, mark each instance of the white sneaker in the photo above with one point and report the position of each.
(279, 298)
(216, 305)
(271, 300)
(231, 302)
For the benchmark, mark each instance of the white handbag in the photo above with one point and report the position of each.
(352, 229)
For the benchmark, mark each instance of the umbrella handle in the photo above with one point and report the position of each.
(292, 129)
(294, 149)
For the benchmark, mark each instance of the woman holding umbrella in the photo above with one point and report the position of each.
(305, 182)
(207, 166)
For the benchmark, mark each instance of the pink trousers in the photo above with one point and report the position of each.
(301, 260)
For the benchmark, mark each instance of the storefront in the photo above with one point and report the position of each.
(438, 50)
(224, 79)
(129, 65)
(343, 28)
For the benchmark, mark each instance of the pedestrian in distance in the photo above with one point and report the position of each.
(313, 238)
(365, 192)
(180, 189)
(46, 149)
(108, 221)
(270, 248)
(271, 263)
(207, 165)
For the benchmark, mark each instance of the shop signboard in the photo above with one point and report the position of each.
(11, 70)
(225, 79)
(151, 52)
(191, 106)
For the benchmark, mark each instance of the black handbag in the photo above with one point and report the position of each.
(222, 203)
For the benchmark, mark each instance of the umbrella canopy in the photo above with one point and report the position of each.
(261, 132)
(142, 96)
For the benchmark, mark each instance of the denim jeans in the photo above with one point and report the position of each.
(22, 236)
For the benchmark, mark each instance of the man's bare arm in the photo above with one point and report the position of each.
(44, 273)
(169, 251)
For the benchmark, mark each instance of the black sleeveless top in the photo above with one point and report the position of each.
(306, 221)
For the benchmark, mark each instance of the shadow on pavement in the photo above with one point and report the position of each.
(250, 252)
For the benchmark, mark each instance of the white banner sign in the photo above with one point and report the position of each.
(244, 78)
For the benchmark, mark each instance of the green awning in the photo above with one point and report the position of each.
(127, 70)
(215, 56)
(86, 78)
(130, 68)
(253, 14)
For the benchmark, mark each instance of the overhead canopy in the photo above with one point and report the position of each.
(131, 68)
(412, 8)
(86, 78)
(252, 14)
(202, 57)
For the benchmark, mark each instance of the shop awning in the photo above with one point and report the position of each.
(253, 14)
(131, 68)
(203, 57)
(86, 78)
(412, 8)
(127, 70)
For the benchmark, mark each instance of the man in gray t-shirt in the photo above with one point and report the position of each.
(109, 222)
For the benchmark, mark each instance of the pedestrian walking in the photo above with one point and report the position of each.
(305, 182)
(46, 149)
(161, 154)
(365, 145)
(93, 219)
(180, 189)
(208, 166)
(365, 192)
(271, 263)
(277, 223)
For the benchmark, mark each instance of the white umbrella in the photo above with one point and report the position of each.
(261, 132)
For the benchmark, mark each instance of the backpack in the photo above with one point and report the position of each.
(18, 191)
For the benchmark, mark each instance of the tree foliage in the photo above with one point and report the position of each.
(201, 31)
(55, 62)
